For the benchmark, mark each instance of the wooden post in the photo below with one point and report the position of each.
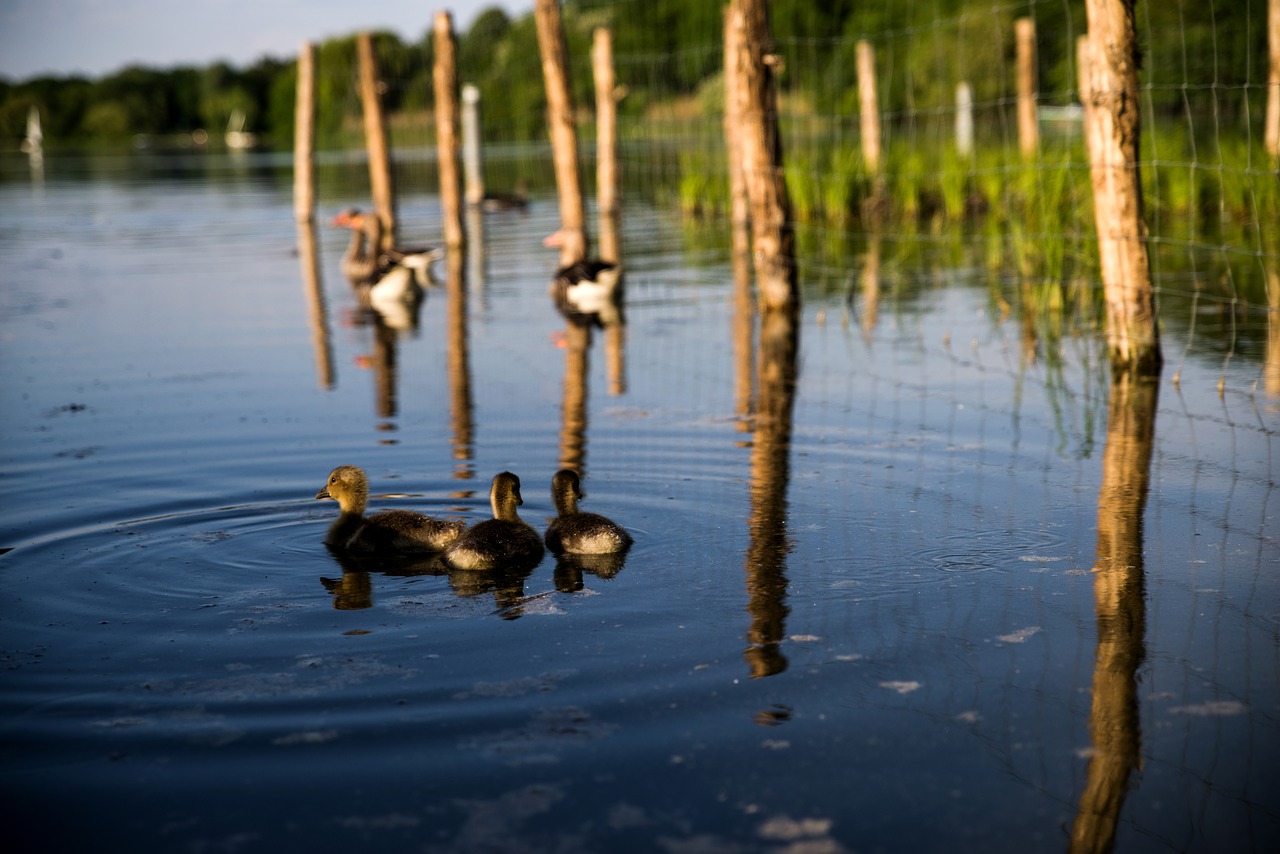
(375, 134)
(964, 120)
(739, 203)
(1028, 127)
(445, 78)
(1273, 84)
(773, 237)
(564, 136)
(458, 361)
(606, 125)
(868, 106)
(472, 165)
(1108, 70)
(304, 137)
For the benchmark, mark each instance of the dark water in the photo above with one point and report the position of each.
(926, 604)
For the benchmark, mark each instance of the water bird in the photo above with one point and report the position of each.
(587, 292)
(504, 542)
(387, 531)
(366, 264)
(576, 532)
(499, 201)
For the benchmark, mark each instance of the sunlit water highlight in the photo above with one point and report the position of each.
(188, 668)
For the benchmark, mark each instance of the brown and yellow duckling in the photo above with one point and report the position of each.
(504, 542)
(575, 532)
(387, 532)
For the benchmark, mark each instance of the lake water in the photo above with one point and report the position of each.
(957, 593)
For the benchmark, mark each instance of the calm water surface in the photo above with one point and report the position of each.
(927, 606)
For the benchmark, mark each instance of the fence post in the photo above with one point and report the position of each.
(1273, 84)
(964, 120)
(445, 77)
(564, 136)
(739, 204)
(868, 106)
(1108, 71)
(472, 166)
(304, 137)
(1028, 127)
(773, 238)
(375, 134)
(606, 125)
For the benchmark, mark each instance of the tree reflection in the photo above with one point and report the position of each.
(1114, 724)
(770, 470)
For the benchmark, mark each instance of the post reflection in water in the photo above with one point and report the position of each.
(461, 407)
(766, 561)
(744, 322)
(616, 329)
(317, 315)
(1118, 591)
(869, 282)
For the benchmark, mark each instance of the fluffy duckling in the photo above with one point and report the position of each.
(505, 541)
(574, 532)
(388, 531)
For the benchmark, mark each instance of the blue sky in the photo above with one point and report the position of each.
(97, 37)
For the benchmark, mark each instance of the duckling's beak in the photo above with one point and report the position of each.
(324, 493)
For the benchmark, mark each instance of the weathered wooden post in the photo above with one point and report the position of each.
(1028, 123)
(304, 136)
(868, 106)
(739, 202)
(472, 165)
(564, 136)
(375, 133)
(445, 77)
(1108, 67)
(1273, 83)
(606, 127)
(773, 237)
(964, 120)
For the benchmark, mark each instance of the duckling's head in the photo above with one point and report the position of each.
(349, 487)
(566, 489)
(504, 495)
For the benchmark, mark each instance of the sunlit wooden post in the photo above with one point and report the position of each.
(606, 127)
(1273, 84)
(472, 165)
(304, 136)
(868, 107)
(564, 135)
(739, 202)
(964, 120)
(773, 238)
(445, 78)
(1108, 69)
(1028, 126)
(375, 133)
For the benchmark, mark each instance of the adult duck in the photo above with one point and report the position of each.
(578, 533)
(587, 292)
(499, 201)
(504, 542)
(366, 264)
(388, 532)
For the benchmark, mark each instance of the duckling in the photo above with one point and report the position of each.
(579, 533)
(505, 541)
(388, 531)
